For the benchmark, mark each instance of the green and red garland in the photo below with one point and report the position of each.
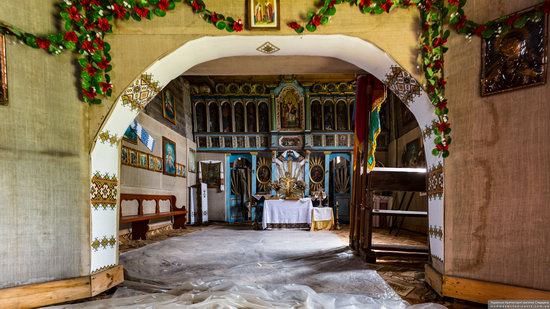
(86, 23)
(434, 14)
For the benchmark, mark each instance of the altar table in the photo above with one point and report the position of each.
(287, 213)
(322, 218)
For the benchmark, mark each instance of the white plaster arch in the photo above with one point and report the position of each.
(105, 155)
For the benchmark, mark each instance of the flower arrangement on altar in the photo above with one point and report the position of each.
(289, 188)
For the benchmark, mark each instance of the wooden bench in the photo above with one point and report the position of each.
(140, 222)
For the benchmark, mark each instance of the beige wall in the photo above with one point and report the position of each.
(44, 177)
(135, 180)
(497, 185)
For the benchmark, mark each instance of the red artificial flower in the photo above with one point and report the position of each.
(427, 48)
(438, 64)
(99, 43)
(442, 147)
(238, 26)
(143, 12)
(89, 2)
(442, 105)
(196, 6)
(103, 24)
(439, 42)
(454, 2)
(294, 25)
(442, 83)
(88, 46)
(214, 17)
(88, 25)
(331, 4)
(105, 86)
(511, 19)
(73, 13)
(163, 5)
(43, 43)
(119, 11)
(428, 5)
(387, 6)
(89, 94)
(461, 22)
(316, 20)
(103, 64)
(479, 29)
(71, 37)
(364, 3)
(90, 69)
(442, 126)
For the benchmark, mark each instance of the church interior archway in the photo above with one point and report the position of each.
(105, 157)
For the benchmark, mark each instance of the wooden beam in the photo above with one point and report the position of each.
(43, 294)
(477, 290)
(483, 291)
(106, 279)
(60, 291)
(433, 278)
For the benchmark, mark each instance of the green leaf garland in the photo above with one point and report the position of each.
(86, 22)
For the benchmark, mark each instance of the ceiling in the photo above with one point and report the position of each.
(269, 69)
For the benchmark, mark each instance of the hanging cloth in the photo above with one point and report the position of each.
(143, 135)
(370, 92)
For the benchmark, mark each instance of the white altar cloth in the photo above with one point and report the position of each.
(286, 213)
(322, 213)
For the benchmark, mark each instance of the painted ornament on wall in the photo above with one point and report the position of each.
(517, 58)
(169, 156)
(3, 72)
(263, 14)
(169, 106)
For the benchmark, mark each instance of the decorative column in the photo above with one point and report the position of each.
(327, 169)
(254, 155)
(306, 172)
(273, 169)
(308, 111)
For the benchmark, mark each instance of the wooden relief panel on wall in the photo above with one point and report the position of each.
(3, 72)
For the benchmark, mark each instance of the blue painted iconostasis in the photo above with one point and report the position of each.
(256, 124)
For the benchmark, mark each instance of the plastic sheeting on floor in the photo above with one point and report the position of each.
(232, 268)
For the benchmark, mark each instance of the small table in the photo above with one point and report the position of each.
(322, 218)
(287, 213)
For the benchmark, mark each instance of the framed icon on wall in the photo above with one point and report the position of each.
(263, 14)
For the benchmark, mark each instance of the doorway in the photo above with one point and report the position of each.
(240, 187)
(340, 185)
